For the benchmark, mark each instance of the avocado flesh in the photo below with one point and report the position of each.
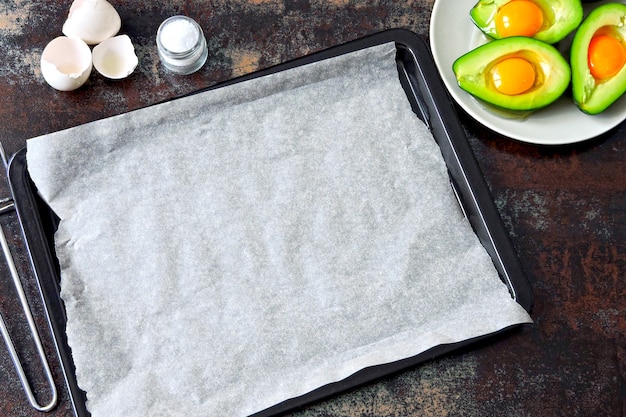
(473, 73)
(590, 95)
(561, 17)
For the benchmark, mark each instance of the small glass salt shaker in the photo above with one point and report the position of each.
(181, 44)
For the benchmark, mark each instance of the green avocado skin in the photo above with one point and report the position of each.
(473, 73)
(564, 17)
(590, 95)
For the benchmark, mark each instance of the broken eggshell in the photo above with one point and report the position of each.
(93, 21)
(66, 63)
(115, 57)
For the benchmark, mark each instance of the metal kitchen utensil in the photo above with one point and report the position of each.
(6, 205)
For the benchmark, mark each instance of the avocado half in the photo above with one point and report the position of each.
(561, 17)
(473, 72)
(590, 95)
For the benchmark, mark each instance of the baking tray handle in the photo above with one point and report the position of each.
(7, 206)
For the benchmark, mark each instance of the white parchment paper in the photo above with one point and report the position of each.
(227, 251)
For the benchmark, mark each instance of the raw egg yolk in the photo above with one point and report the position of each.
(513, 76)
(519, 18)
(606, 56)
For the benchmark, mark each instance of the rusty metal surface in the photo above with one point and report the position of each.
(564, 208)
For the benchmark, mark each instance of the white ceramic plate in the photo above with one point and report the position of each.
(452, 34)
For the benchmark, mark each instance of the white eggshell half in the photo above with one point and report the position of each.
(92, 21)
(66, 63)
(115, 57)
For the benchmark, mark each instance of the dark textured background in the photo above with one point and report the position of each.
(564, 208)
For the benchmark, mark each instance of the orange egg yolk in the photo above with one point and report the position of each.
(606, 56)
(513, 76)
(519, 18)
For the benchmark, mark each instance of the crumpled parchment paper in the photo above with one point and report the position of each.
(227, 251)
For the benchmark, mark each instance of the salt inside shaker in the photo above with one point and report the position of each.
(181, 44)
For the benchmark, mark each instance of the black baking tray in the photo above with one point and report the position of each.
(431, 104)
